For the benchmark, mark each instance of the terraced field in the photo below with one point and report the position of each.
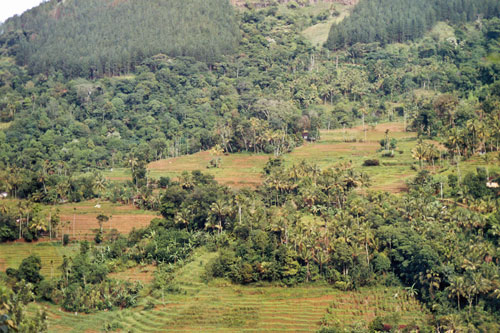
(351, 145)
(221, 306)
(79, 220)
(335, 146)
(11, 255)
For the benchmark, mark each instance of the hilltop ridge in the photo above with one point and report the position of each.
(266, 3)
(95, 38)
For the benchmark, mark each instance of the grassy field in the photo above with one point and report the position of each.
(4, 125)
(318, 33)
(11, 255)
(335, 146)
(221, 306)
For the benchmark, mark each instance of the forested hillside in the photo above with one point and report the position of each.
(104, 37)
(255, 88)
(388, 21)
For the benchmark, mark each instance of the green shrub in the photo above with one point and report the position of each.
(373, 162)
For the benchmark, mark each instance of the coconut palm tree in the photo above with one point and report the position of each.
(183, 217)
(456, 288)
(420, 152)
(101, 219)
(99, 184)
(305, 254)
(321, 257)
(219, 210)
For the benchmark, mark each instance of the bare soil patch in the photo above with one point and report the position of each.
(85, 224)
(145, 274)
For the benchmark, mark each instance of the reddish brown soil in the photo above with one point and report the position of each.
(86, 224)
(144, 274)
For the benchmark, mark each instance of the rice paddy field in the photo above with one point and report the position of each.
(221, 306)
(335, 146)
(351, 145)
(79, 220)
(51, 253)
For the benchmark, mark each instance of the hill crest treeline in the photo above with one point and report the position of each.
(93, 38)
(387, 21)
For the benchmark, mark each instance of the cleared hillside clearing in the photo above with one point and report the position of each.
(318, 33)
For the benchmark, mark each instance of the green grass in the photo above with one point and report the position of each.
(318, 33)
(335, 146)
(12, 254)
(221, 306)
(349, 146)
(86, 207)
(488, 161)
(4, 126)
(106, 208)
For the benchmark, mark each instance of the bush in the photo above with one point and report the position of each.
(29, 236)
(387, 153)
(164, 182)
(373, 162)
(98, 237)
(65, 239)
(29, 270)
(46, 288)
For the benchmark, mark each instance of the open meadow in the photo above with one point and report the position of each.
(317, 34)
(80, 219)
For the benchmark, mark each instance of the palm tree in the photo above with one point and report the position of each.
(99, 184)
(220, 210)
(133, 162)
(4, 209)
(62, 189)
(305, 254)
(432, 279)
(183, 217)
(101, 219)
(470, 291)
(186, 180)
(420, 152)
(367, 238)
(456, 288)
(321, 257)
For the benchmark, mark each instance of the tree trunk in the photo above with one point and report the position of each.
(367, 254)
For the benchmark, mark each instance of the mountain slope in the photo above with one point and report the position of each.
(105, 37)
(387, 21)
